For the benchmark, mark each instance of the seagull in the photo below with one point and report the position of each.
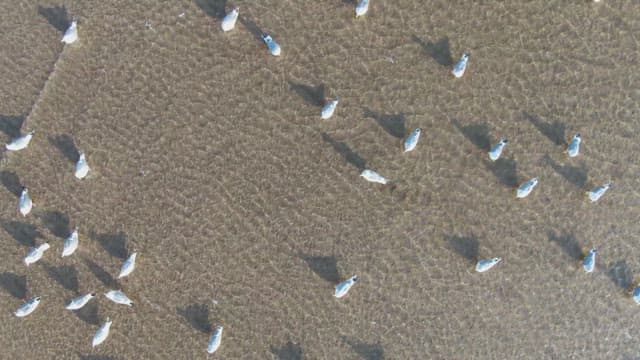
(496, 150)
(486, 264)
(574, 146)
(36, 253)
(215, 340)
(118, 297)
(71, 35)
(28, 307)
(373, 176)
(70, 243)
(25, 204)
(327, 110)
(461, 65)
(80, 301)
(589, 262)
(636, 294)
(82, 168)
(343, 288)
(21, 142)
(362, 7)
(273, 46)
(596, 193)
(412, 140)
(525, 189)
(128, 266)
(101, 334)
(229, 20)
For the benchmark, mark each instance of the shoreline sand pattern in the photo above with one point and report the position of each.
(209, 158)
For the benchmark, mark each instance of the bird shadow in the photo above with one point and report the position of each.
(57, 16)
(251, 26)
(314, 95)
(343, 149)
(621, 275)
(576, 175)
(288, 351)
(14, 284)
(555, 131)
(213, 8)
(324, 266)
(394, 124)
(466, 246)
(24, 233)
(197, 315)
(440, 51)
(114, 244)
(65, 275)
(56, 222)
(365, 350)
(11, 125)
(66, 145)
(568, 244)
(478, 134)
(11, 181)
(97, 357)
(89, 313)
(505, 170)
(101, 274)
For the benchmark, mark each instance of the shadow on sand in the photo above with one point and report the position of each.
(568, 244)
(576, 175)
(324, 266)
(24, 233)
(478, 134)
(115, 244)
(11, 182)
(14, 284)
(56, 222)
(197, 315)
(101, 274)
(213, 8)
(57, 16)
(465, 246)
(11, 125)
(555, 131)
(393, 124)
(440, 51)
(343, 149)
(288, 351)
(66, 145)
(65, 275)
(366, 351)
(505, 170)
(313, 95)
(621, 275)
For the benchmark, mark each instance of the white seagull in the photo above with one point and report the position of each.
(28, 307)
(215, 340)
(525, 189)
(589, 262)
(80, 301)
(118, 297)
(496, 150)
(82, 168)
(21, 142)
(102, 333)
(362, 7)
(327, 110)
(461, 65)
(71, 35)
(36, 253)
(412, 140)
(229, 20)
(128, 265)
(373, 176)
(574, 146)
(343, 288)
(273, 46)
(25, 204)
(486, 264)
(596, 193)
(70, 243)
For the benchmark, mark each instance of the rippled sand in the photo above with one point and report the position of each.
(209, 158)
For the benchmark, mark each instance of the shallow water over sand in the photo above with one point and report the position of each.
(209, 158)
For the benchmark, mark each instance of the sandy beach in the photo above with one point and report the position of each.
(209, 158)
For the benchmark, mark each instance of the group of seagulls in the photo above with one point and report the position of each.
(341, 289)
(25, 205)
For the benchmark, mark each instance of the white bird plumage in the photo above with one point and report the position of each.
(21, 142)
(411, 141)
(118, 297)
(70, 243)
(460, 67)
(28, 307)
(128, 266)
(82, 168)
(102, 333)
(525, 189)
(596, 193)
(589, 262)
(496, 150)
(636, 294)
(273, 46)
(343, 288)
(574, 146)
(486, 264)
(25, 204)
(329, 108)
(215, 340)
(80, 301)
(71, 35)
(229, 20)
(36, 253)
(373, 176)
(362, 7)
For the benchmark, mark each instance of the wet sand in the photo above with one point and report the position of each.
(209, 158)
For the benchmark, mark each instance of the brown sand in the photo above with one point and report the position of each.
(209, 158)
